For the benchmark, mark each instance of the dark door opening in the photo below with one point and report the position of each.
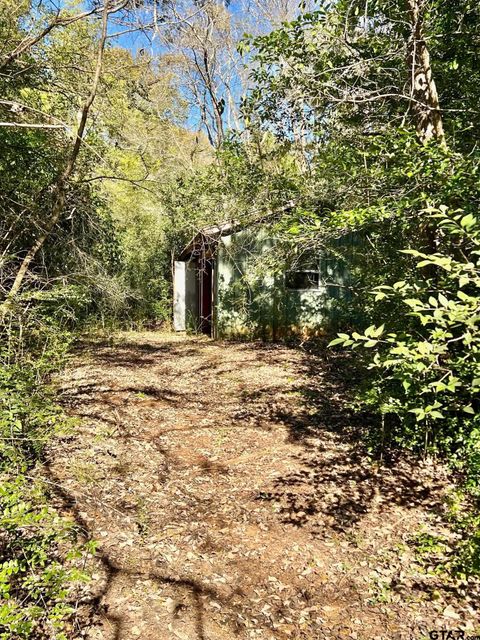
(206, 296)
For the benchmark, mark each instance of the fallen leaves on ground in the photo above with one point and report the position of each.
(230, 496)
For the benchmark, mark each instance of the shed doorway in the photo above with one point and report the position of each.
(206, 293)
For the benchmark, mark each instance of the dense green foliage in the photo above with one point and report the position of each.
(37, 574)
(40, 556)
(342, 136)
(428, 369)
(385, 161)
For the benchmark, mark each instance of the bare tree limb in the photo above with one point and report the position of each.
(27, 43)
(31, 125)
(60, 187)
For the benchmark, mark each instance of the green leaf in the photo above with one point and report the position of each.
(378, 332)
(420, 413)
(468, 221)
(413, 302)
(413, 252)
(443, 300)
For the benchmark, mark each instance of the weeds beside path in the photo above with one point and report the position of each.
(231, 498)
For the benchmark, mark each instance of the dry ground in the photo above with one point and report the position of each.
(231, 499)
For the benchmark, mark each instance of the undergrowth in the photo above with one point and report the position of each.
(425, 369)
(41, 557)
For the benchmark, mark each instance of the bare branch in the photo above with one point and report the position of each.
(60, 187)
(31, 125)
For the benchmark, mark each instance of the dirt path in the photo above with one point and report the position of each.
(230, 499)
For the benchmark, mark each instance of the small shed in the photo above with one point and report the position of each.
(229, 282)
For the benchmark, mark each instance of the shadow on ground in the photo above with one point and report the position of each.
(334, 484)
(99, 400)
(339, 482)
(193, 590)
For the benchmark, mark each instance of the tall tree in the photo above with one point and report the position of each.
(423, 89)
(59, 187)
(202, 41)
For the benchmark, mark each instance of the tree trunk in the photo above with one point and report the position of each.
(423, 91)
(425, 105)
(60, 187)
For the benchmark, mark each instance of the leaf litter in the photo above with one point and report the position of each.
(231, 497)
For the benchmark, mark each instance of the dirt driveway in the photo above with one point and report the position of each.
(231, 499)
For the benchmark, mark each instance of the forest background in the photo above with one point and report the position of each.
(125, 126)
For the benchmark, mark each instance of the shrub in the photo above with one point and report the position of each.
(38, 547)
(426, 375)
(37, 572)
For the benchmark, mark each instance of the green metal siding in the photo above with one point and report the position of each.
(251, 298)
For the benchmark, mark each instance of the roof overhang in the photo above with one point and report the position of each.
(206, 238)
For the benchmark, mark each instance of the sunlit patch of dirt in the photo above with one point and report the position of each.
(231, 498)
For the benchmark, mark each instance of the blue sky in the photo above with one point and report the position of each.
(137, 40)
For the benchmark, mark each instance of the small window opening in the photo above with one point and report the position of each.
(298, 280)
